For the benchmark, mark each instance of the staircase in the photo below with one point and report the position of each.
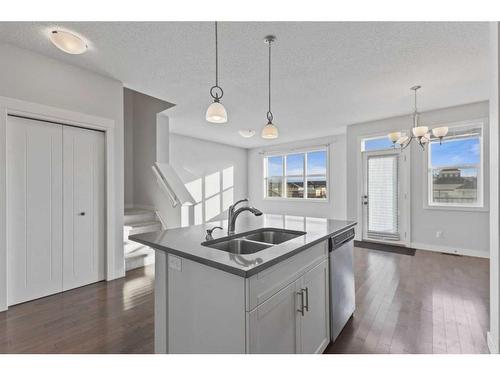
(138, 221)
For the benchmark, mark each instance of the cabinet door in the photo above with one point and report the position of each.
(274, 326)
(315, 324)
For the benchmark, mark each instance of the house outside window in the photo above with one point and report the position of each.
(455, 168)
(297, 175)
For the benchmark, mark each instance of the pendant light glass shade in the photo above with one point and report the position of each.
(270, 131)
(216, 113)
(440, 132)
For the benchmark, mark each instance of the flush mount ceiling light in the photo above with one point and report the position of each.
(247, 133)
(270, 131)
(419, 133)
(216, 113)
(68, 42)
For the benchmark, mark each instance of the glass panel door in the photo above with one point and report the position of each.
(381, 199)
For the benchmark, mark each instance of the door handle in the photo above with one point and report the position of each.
(301, 294)
(365, 199)
(82, 214)
(306, 307)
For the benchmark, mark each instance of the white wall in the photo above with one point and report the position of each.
(334, 208)
(466, 232)
(216, 174)
(493, 333)
(35, 78)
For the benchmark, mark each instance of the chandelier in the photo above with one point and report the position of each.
(418, 133)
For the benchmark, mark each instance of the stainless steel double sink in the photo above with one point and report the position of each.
(254, 241)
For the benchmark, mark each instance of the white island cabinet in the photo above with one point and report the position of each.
(282, 309)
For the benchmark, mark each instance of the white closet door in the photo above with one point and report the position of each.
(34, 209)
(84, 207)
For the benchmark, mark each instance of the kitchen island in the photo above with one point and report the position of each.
(264, 289)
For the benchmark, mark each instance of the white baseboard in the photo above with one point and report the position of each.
(450, 250)
(492, 343)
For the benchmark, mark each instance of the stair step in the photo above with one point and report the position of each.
(143, 227)
(138, 215)
(139, 258)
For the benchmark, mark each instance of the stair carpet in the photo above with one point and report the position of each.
(138, 221)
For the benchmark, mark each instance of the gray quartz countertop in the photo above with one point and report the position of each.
(186, 242)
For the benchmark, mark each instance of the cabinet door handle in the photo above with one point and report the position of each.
(306, 307)
(301, 294)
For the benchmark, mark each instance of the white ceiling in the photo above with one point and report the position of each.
(326, 75)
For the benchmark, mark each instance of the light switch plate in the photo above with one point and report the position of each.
(174, 263)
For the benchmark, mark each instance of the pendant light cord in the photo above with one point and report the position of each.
(216, 91)
(269, 113)
(216, 57)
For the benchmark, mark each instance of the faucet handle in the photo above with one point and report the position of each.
(209, 237)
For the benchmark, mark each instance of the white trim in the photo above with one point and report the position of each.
(406, 216)
(492, 343)
(450, 250)
(404, 186)
(10, 106)
(481, 205)
(305, 151)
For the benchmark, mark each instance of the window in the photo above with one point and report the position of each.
(376, 144)
(455, 169)
(296, 175)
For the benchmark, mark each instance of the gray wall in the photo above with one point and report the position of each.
(201, 163)
(335, 208)
(145, 124)
(35, 78)
(464, 231)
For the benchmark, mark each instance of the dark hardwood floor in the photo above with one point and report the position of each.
(114, 317)
(427, 303)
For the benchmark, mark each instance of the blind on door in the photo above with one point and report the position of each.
(383, 223)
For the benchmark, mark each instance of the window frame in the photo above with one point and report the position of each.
(284, 175)
(428, 180)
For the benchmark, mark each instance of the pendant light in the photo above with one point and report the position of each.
(270, 131)
(216, 113)
(419, 133)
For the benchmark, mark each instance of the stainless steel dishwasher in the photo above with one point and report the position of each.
(342, 292)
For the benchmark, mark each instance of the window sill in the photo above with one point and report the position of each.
(457, 208)
(300, 200)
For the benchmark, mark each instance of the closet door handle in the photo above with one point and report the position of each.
(306, 307)
(301, 294)
(82, 214)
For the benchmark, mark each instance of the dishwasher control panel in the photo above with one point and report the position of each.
(343, 237)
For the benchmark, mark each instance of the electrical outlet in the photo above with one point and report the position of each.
(439, 234)
(174, 263)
